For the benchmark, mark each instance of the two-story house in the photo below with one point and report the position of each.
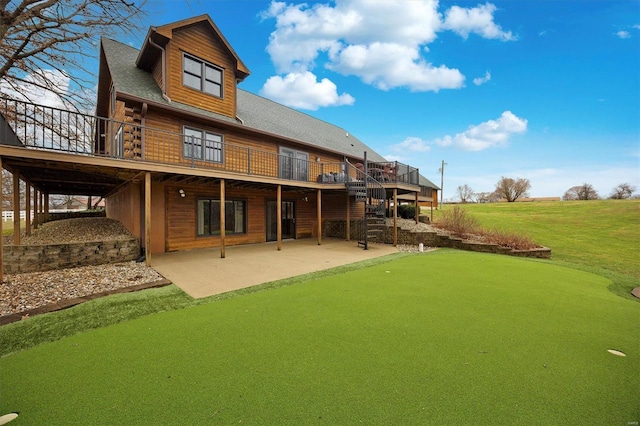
(186, 159)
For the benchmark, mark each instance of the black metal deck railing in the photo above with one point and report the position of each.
(53, 129)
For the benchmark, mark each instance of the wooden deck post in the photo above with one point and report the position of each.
(395, 217)
(319, 216)
(417, 212)
(46, 206)
(147, 218)
(27, 208)
(16, 207)
(35, 208)
(1, 223)
(348, 217)
(223, 224)
(279, 216)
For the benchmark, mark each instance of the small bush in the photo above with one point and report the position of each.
(458, 222)
(407, 211)
(505, 239)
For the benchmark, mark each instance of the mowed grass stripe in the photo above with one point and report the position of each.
(441, 338)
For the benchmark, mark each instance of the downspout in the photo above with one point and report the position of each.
(164, 73)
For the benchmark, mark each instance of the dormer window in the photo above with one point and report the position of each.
(201, 75)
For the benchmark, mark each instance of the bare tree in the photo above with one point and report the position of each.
(45, 43)
(581, 192)
(483, 197)
(465, 193)
(512, 189)
(622, 191)
(7, 191)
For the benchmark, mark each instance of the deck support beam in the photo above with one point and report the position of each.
(27, 208)
(319, 212)
(1, 223)
(223, 224)
(46, 207)
(395, 217)
(147, 218)
(279, 216)
(16, 207)
(34, 223)
(417, 209)
(348, 227)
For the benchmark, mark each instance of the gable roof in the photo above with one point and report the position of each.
(161, 36)
(254, 112)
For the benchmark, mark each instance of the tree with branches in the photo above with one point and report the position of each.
(512, 189)
(45, 45)
(586, 191)
(465, 193)
(622, 191)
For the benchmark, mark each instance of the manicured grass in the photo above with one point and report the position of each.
(599, 236)
(439, 338)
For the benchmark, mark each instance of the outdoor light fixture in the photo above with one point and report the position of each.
(181, 192)
(317, 159)
(305, 199)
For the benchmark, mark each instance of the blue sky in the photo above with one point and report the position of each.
(543, 90)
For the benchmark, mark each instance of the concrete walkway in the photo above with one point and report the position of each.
(202, 273)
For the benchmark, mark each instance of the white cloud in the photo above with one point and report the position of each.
(413, 144)
(491, 133)
(476, 20)
(389, 65)
(303, 90)
(31, 89)
(623, 34)
(481, 80)
(384, 43)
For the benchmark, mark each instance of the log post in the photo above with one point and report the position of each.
(223, 222)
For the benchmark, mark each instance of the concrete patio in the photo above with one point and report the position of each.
(201, 273)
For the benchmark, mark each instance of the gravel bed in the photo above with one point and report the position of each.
(73, 231)
(21, 292)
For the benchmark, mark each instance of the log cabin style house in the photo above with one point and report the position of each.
(185, 159)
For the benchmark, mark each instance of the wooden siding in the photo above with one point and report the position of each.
(200, 41)
(125, 207)
(181, 232)
(156, 70)
(164, 145)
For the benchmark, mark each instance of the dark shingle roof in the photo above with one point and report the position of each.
(255, 112)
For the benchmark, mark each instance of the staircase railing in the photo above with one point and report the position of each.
(370, 191)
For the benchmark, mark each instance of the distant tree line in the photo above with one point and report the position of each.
(510, 190)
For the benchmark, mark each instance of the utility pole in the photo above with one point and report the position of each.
(441, 170)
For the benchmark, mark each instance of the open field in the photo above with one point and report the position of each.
(446, 337)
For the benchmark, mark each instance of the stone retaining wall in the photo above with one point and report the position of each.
(38, 258)
(336, 229)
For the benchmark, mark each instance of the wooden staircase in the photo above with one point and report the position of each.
(371, 192)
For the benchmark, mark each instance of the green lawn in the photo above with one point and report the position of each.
(446, 337)
(600, 236)
(480, 339)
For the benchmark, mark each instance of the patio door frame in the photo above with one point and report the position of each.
(288, 220)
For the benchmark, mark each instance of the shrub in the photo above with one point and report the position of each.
(458, 222)
(505, 239)
(407, 211)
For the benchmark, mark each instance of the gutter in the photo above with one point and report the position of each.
(164, 73)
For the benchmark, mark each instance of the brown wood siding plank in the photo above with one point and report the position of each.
(200, 41)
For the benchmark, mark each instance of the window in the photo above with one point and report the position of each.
(201, 75)
(209, 217)
(293, 164)
(118, 149)
(202, 145)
